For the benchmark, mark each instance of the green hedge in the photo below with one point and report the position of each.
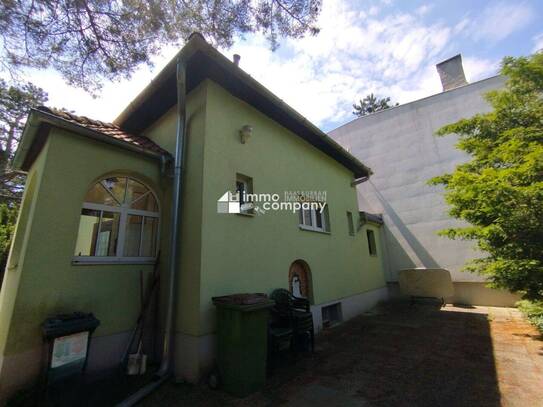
(533, 311)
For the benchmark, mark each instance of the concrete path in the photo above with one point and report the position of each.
(402, 355)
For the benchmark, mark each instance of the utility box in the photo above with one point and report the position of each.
(68, 337)
(242, 336)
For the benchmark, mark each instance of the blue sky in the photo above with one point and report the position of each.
(388, 47)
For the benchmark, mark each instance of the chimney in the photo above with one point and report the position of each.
(451, 73)
(236, 58)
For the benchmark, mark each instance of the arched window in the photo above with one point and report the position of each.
(119, 222)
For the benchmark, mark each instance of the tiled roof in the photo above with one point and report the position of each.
(108, 129)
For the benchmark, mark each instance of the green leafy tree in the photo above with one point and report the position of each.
(499, 192)
(15, 102)
(371, 104)
(8, 219)
(88, 41)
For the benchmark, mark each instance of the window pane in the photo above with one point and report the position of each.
(146, 202)
(98, 194)
(371, 242)
(88, 229)
(350, 223)
(318, 218)
(135, 190)
(148, 242)
(106, 241)
(116, 186)
(241, 188)
(307, 217)
(133, 236)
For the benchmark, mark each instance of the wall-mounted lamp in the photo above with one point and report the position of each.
(245, 133)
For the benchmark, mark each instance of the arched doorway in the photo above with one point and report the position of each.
(299, 280)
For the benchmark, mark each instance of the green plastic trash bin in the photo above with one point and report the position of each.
(242, 335)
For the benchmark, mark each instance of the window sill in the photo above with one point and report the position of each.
(247, 214)
(87, 261)
(309, 229)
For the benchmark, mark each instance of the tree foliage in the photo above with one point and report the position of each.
(8, 219)
(15, 102)
(88, 41)
(499, 192)
(371, 104)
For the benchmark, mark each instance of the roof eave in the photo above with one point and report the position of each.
(193, 45)
(197, 43)
(38, 117)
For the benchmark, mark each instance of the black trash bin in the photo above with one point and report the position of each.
(68, 338)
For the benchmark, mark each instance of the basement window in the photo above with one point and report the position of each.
(331, 315)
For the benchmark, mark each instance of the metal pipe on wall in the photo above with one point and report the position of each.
(165, 370)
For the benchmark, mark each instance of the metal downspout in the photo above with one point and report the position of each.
(165, 370)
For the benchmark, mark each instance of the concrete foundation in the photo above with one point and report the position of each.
(194, 356)
(351, 306)
(470, 293)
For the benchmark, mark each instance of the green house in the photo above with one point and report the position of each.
(97, 212)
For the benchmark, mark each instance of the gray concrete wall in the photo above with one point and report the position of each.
(400, 146)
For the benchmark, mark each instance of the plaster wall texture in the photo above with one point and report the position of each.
(400, 146)
(220, 253)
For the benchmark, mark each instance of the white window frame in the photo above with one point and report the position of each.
(124, 210)
(325, 228)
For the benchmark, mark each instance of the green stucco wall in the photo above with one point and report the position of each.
(12, 276)
(163, 132)
(253, 254)
(220, 254)
(41, 279)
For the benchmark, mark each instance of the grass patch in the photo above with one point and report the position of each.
(533, 311)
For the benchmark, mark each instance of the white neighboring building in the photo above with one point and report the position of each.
(400, 146)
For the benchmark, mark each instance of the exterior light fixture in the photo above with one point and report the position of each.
(245, 133)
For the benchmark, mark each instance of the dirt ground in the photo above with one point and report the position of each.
(401, 355)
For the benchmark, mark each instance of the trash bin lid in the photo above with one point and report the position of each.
(241, 299)
(66, 324)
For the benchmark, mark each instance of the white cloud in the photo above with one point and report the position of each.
(113, 98)
(499, 20)
(424, 9)
(479, 68)
(538, 43)
(390, 54)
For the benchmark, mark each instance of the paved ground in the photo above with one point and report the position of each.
(402, 356)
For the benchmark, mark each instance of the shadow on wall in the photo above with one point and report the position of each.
(411, 240)
(397, 257)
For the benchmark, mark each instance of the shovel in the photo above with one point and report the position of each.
(137, 362)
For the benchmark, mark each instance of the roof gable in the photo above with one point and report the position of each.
(202, 62)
